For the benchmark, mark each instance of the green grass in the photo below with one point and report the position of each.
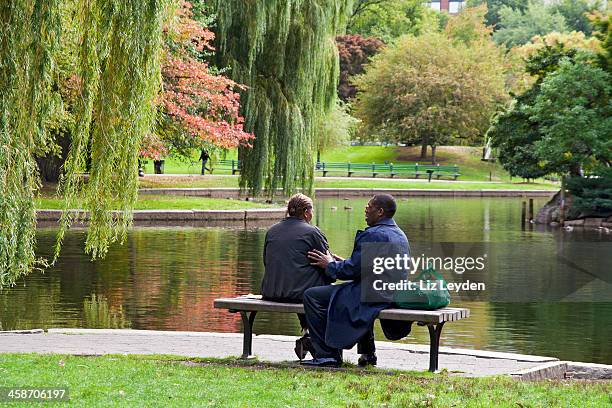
(192, 165)
(160, 381)
(163, 202)
(467, 158)
(361, 154)
(232, 181)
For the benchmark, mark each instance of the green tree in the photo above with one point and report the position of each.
(469, 28)
(513, 135)
(285, 52)
(494, 6)
(118, 78)
(574, 112)
(390, 19)
(204, 11)
(431, 90)
(560, 124)
(518, 26)
(513, 132)
(335, 129)
(576, 13)
(592, 194)
(603, 32)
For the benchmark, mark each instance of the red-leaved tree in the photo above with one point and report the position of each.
(198, 108)
(355, 51)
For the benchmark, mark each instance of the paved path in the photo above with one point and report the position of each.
(267, 347)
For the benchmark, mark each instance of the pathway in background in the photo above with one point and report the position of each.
(345, 178)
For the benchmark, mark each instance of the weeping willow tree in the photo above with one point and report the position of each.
(29, 33)
(285, 52)
(118, 78)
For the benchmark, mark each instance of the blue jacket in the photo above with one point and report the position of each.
(348, 319)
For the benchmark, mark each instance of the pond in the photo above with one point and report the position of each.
(549, 292)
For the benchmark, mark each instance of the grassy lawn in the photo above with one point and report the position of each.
(361, 154)
(467, 158)
(163, 202)
(159, 381)
(232, 181)
(192, 165)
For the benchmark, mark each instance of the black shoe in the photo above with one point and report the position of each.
(367, 359)
(322, 362)
(303, 346)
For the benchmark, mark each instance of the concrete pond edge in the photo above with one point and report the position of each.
(233, 192)
(254, 214)
(565, 370)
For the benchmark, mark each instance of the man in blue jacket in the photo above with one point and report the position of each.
(336, 316)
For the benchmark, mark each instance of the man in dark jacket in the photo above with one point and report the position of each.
(336, 316)
(204, 156)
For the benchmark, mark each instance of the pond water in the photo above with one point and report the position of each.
(549, 292)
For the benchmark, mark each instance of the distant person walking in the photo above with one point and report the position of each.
(204, 156)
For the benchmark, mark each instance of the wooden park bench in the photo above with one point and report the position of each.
(410, 170)
(327, 167)
(233, 165)
(446, 171)
(248, 307)
(352, 168)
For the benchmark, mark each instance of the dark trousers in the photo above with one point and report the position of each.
(302, 319)
(316, 304)
(204, 166)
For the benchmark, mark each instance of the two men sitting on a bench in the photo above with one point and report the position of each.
(300, 267)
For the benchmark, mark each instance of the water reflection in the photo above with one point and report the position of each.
(98, 315)
(167, 278)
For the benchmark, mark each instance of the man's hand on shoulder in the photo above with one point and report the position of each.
(319, 258)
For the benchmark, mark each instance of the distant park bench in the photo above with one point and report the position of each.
(390, 169)
(433, 319)
(233, 165)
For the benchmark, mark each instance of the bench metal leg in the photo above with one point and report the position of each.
(247, 340)
(435, 330)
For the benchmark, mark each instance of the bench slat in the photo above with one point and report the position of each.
(258, 305)
(448, 314)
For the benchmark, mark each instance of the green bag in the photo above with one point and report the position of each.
(426, 295)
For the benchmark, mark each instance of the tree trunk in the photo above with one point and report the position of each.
(50, 167)
(424, 150)
(318, 156)
(433, 154)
